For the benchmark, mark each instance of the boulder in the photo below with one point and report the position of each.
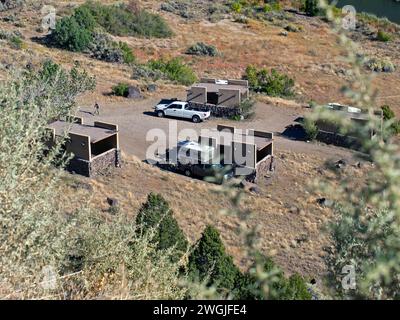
(294, 210)
(325, 202)
(340, 164)
(152, 88)
(134, 93)
(249, 186)
(255, 189)
(112, 202)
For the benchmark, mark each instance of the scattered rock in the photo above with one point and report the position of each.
(302, 238)
(340, 164)
(112, 202)
(134, 93)
(29, 66)
(255, 189)
(82, 185)
(284, 33)
(325, 202)
(152, 88)
(251, 187)
(294, 210)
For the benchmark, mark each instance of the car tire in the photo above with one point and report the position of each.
(160, 114)
(188, 173)
(196, 119)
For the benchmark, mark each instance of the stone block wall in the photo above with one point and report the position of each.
(98, 165)
(104, 161)
(219, 111)
(264, 166)
(338, 140)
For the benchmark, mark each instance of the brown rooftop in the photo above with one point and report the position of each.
(215, 87)
(62, 128)
(260, 142)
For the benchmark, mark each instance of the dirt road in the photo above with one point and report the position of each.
(135, 119)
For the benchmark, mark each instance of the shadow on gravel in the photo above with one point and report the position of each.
(294, 132)
(153, 114)
(150, 113)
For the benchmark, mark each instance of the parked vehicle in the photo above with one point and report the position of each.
(219, 172)
(182, 109)
(196, 160)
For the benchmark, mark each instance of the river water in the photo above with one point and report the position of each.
(382, 8)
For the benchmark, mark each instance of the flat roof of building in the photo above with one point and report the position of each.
(260, 142)
(351, 112)
(95, 133)
(215, 87)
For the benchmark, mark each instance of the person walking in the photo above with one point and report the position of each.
(96, 109)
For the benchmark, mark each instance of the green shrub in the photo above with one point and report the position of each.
(292, 28)
(236, 118)
(202, 49)
(210, 262)
(127, 53)
(377, 22)
(276, 6)
(237, 7)
(175, 70)
(241, 19)
(383, 36)
(87, 254)
(119, 20)
(49, 71)
(121, 90)
(311, 7)
(156, 214)
(380, 65)
(104, 48)
(71, 36)
(267, 8)
(246, 108)
(75, 81)
(10, 4)
(210, 10)
(84, 18)
(77, 32)
(271, 82)
(310, 129)
(142, 71)
(389, 115)
(248, 286)
(16, 42)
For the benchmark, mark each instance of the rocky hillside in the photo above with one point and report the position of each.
(212, 39)
(300, 46)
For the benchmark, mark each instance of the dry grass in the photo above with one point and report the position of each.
(310, 56)
(289, 219)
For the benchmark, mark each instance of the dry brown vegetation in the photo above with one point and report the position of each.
(286, 210)
(290, 220)
(309, 56)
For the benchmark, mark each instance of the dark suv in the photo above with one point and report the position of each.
(219, 171)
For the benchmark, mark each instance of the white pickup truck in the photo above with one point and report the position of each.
(181, 109)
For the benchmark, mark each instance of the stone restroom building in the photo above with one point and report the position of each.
(95, 148)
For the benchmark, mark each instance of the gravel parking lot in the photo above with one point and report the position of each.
(136, 119)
